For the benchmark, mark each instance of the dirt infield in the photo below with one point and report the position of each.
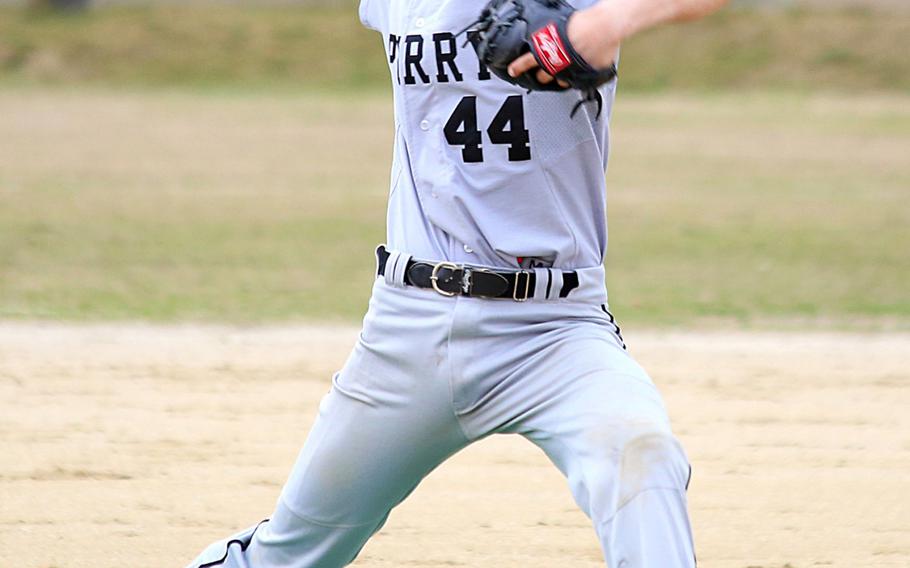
(136, 446)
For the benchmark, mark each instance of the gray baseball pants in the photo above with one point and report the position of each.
(430, 375)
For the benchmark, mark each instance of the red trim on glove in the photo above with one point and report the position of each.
(551, 52)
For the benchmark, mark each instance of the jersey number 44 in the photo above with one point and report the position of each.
(507, 128)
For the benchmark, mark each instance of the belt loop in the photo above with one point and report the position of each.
(396, 268)
(555, 284)
(542, 277)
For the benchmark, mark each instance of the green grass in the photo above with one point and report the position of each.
(748, 210)
(261, 47)
(257, 47)
(760, 207)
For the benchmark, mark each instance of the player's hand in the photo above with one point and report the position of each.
(594, 33)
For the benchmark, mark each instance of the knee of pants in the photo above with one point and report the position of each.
(648, 460)
(652, 461)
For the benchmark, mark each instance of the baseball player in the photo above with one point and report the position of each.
(489, 312)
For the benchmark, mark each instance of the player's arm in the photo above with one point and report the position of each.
(596, 32)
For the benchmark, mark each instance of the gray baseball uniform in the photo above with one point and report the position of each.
(486, 175)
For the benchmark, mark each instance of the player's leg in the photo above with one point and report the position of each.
(386, 423)
(565, 382)
(629, 476)
(609, 433)
(359, 461)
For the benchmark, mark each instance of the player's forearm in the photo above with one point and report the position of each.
(627, 17)
(596, 32)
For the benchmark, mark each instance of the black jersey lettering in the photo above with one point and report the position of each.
(483, 73)
(446, 51)
(413, 53)
(394, 43)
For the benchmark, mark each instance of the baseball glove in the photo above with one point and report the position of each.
(507, 29)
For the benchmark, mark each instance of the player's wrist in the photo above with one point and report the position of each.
(595, 34)
(613, 20)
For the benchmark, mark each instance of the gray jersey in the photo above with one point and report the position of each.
(483, 172)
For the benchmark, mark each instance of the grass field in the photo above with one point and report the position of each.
(196, 163)
(266, 47)
(752, 210)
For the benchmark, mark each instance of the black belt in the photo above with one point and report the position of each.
(451, 279)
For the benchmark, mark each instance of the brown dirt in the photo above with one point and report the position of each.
(136, 446)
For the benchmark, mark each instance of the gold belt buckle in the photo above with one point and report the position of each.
(434, 277)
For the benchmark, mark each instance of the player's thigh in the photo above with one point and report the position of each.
(363, 456)
(607, 428)
(388, 418)
(603, 397)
